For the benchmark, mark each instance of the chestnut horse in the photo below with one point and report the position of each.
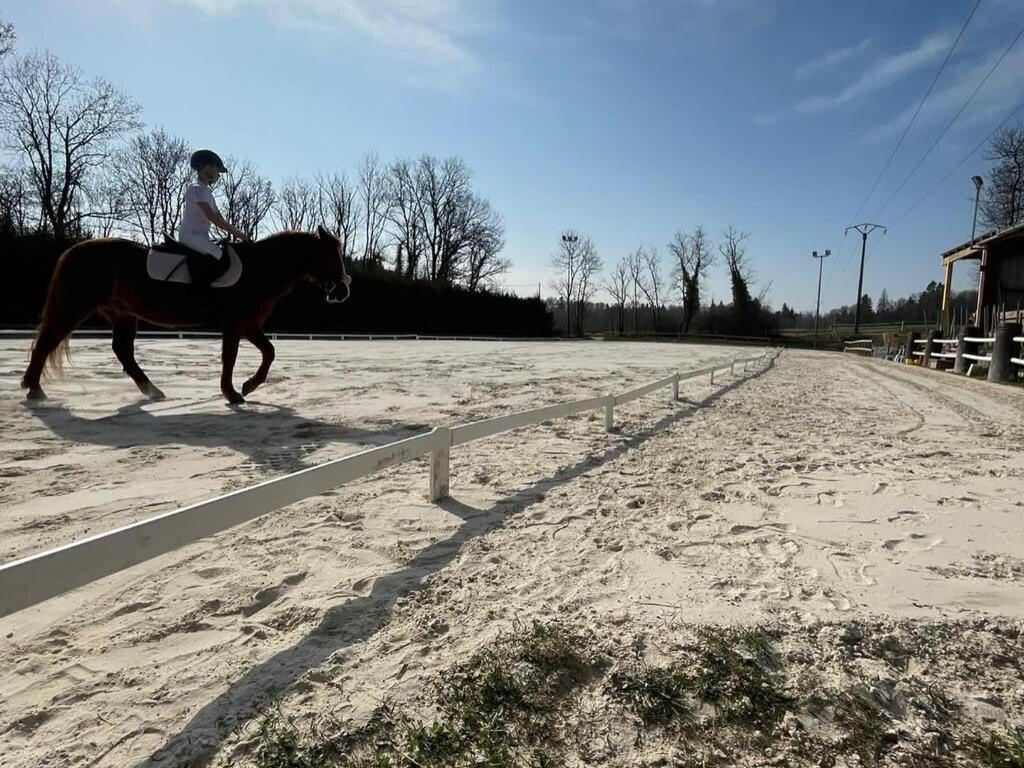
(108, 276)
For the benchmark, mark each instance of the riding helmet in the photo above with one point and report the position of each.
(204, 157)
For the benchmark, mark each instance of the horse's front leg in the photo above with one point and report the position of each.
(259, 340)
(229, 354)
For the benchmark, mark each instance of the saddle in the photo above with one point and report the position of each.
(174, 262)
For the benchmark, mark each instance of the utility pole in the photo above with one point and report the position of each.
(570, 241)
(865, 230)
(817, 306)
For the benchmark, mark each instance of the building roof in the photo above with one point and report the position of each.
(971, 250)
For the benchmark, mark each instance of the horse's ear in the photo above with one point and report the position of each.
(322, 233)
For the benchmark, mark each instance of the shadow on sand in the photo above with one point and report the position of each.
(274, 437)
(357, 619)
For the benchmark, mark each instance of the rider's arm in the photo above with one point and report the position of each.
(219, 221)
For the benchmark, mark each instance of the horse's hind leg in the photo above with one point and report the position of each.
(47, 341)
(125, 328)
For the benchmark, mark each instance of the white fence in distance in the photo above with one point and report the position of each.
(103, 333)
(864, 346)
(33, 579)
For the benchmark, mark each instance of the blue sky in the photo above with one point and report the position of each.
(626, 119)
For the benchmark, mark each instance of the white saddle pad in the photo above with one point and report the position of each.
(171, 268)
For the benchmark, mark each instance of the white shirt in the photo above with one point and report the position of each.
(194, 229)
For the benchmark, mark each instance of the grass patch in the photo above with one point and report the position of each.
(738, 672)
(1000, 750)
(502, 708)
(659, 696)
(532, 698)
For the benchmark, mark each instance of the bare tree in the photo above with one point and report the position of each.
(482, 263)
(338, 209)
(448, 211)
(62, 127)
(295, 206)
(734, 252)
(1003, 202)
(374, 199)
(587, 272)
(405, 214)
(637, 264)
(8, 37)
(147, 186)
(566, 263)
(454, 222)
(15, 201)
(246, 197)
(693, 260)
(652, 283)
(617, 287)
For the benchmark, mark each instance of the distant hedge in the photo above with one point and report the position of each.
(381, 301)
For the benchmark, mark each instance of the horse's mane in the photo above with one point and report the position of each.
(285, 233)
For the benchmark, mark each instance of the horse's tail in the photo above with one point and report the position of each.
(76, 288)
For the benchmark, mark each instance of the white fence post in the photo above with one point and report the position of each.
(440, 463)
(732, 368)
(712, 377)
(675, 387)
(609, 413)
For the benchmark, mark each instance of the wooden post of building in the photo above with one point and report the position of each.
(929, 347)
(911, 347)
(965, 347)
(982, 288)
(1001, 369)
(947, 296)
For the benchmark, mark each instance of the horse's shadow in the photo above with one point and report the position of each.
(274, 437)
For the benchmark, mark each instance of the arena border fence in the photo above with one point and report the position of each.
(105, 333)
(39, 577)
(1000, 360)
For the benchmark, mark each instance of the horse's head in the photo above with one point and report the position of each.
(327, 267)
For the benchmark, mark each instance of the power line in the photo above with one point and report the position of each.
(963, 160)
(950, 123)
(917, 111)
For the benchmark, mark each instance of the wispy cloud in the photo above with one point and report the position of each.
(880, 75)
(1000, 92)
(430, 31)
(830, 60)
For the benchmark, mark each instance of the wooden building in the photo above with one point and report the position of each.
(1000, 279)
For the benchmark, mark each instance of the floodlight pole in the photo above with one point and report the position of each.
(978, 182)
(571, 241)
(865, 230)
(817, 305)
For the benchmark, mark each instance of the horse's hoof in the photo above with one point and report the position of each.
(235, 399)
(35, 393)
(153, 393)
(249, 386)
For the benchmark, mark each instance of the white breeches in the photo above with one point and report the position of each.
(202, 244)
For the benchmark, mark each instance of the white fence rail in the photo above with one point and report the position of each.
(102, 333)
(39, 577)
(864, 346)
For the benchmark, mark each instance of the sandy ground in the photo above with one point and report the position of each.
(823, 488)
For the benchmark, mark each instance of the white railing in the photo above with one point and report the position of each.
(87, 333)
(935, 353)
(39, 577)
(859, 346)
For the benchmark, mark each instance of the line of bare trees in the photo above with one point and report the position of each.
(639, 283)
(77, 162)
